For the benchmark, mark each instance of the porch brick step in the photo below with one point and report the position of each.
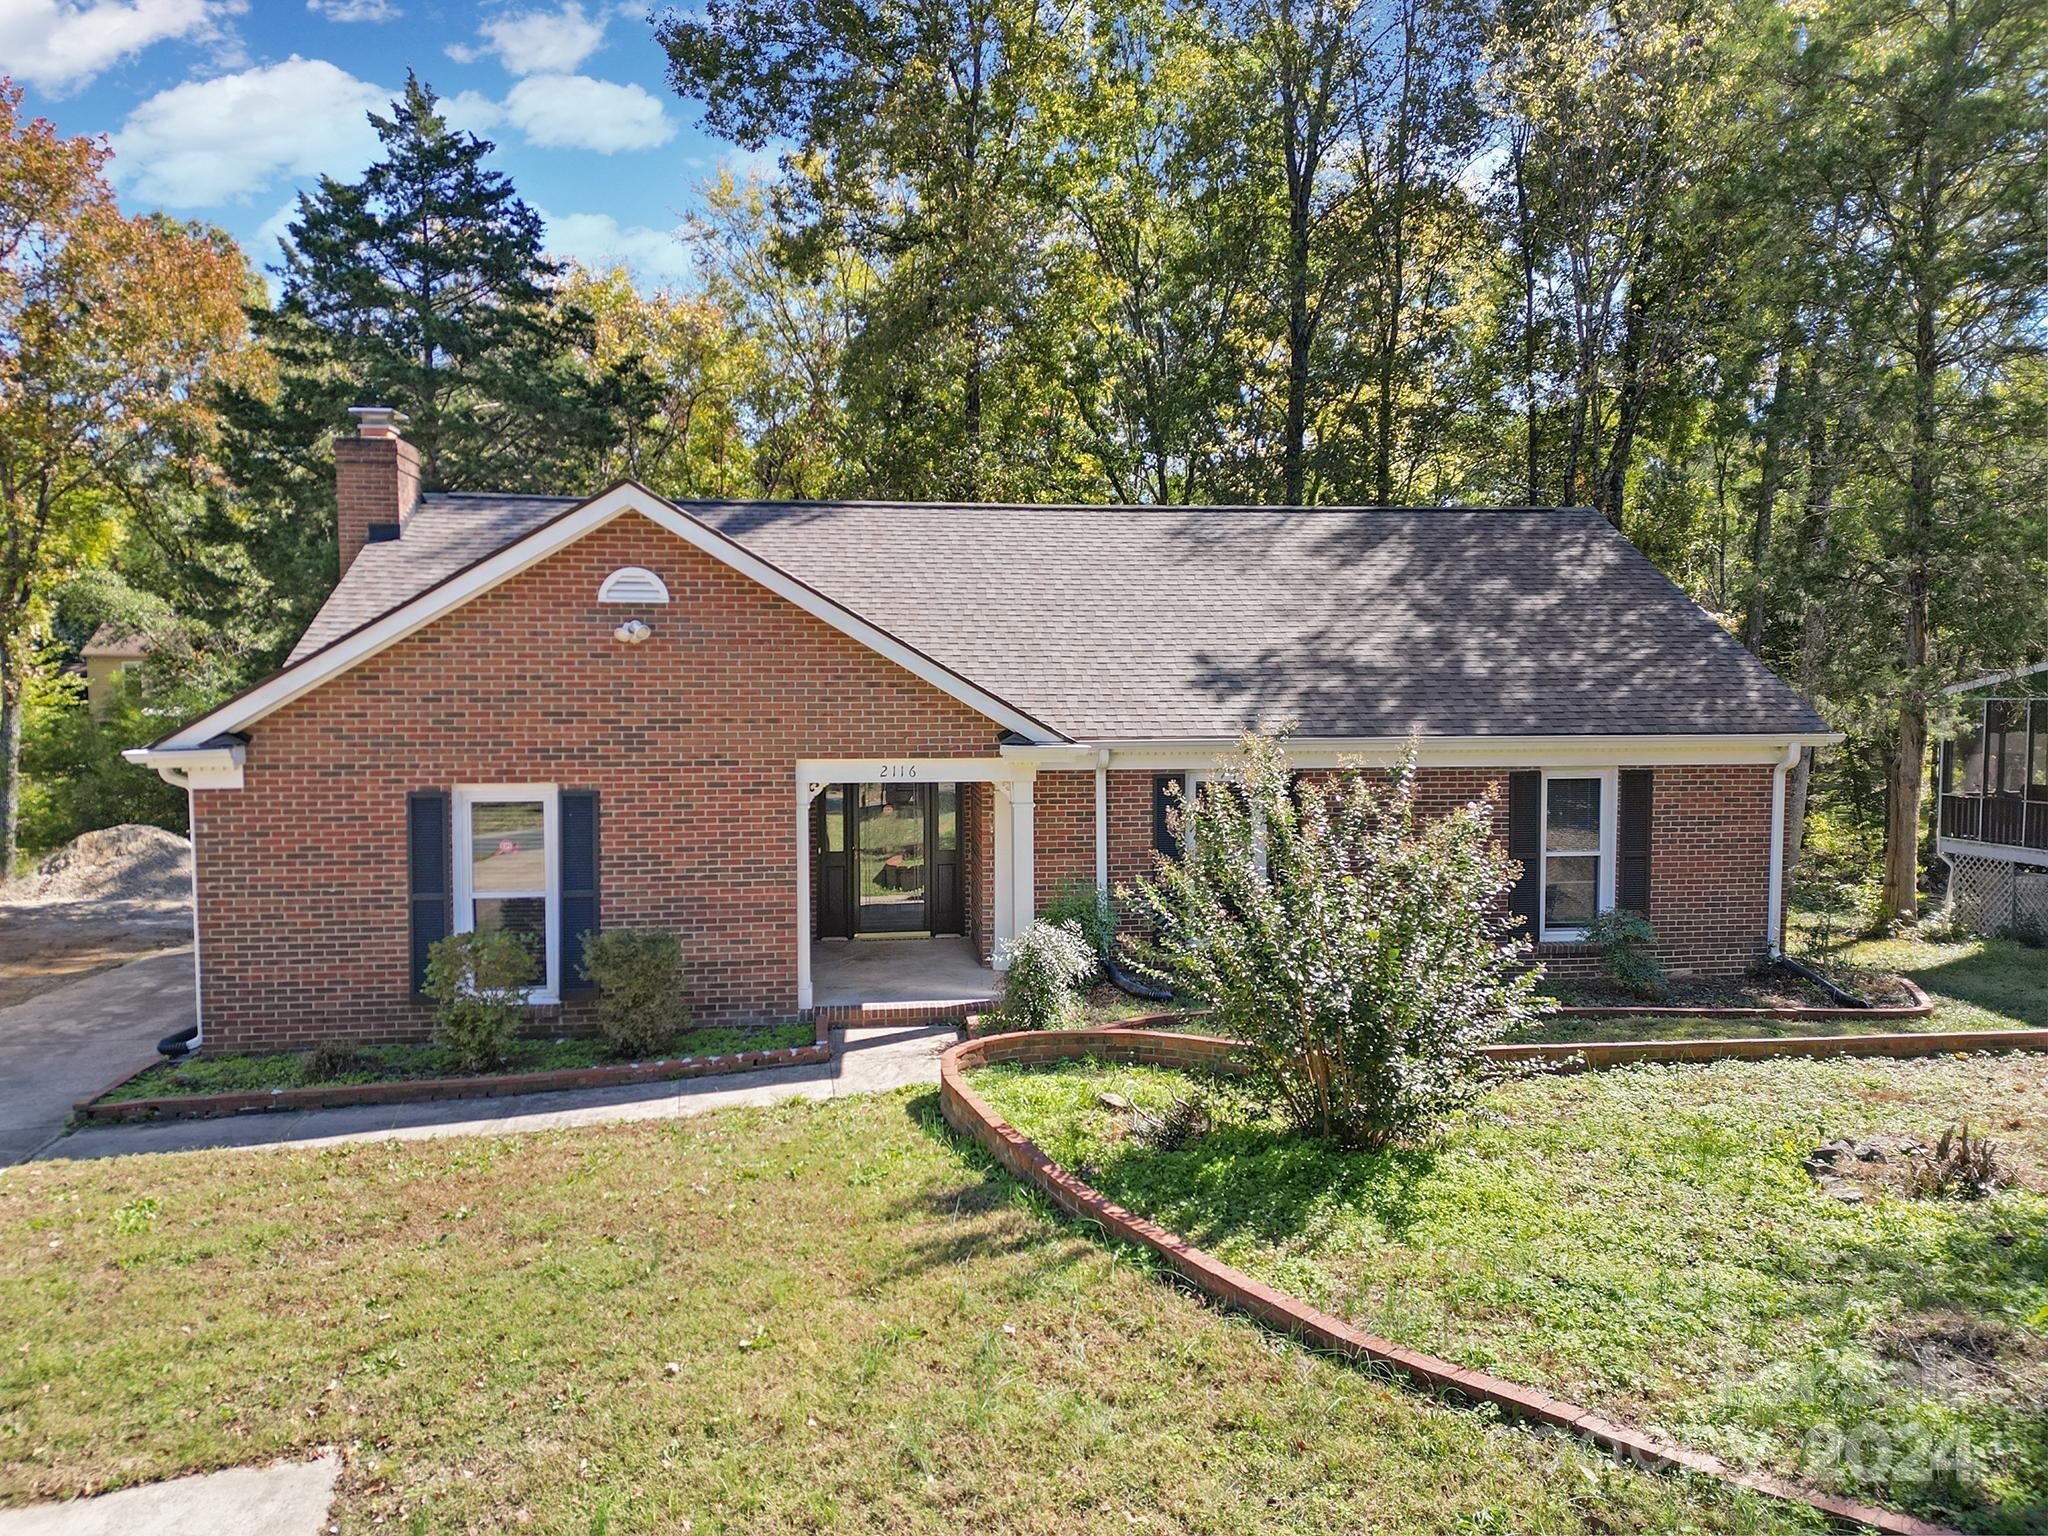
(869, 1015)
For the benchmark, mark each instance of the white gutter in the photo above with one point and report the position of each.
(1173, 756)
(1774, 917)
(193, 767)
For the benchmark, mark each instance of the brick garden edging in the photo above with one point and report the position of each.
(208, 1106)
(969, 1114)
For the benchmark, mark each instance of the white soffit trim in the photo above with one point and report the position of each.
(1476, 751)
(380, 634)
(192, 767)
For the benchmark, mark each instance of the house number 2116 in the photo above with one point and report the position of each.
(899, 770)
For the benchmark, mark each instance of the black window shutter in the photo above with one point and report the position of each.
(1525, 845)
(1632, 840)
(1163, 840)
(578, 906)
(429, 866)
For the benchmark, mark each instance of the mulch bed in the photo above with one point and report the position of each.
(97, 1109)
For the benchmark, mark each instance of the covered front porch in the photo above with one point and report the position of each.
(885, 980)
(900, 890)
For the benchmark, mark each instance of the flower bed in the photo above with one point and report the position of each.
(153, 1092)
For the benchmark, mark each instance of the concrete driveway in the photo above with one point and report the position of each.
(59, 1046)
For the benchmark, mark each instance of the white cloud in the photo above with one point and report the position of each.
(599, 240)
(355, 10)
(577, 112)
(58, 44)
(536, 42)
(472, 112)
(214, 141)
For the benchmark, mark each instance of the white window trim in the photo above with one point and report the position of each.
(1603, 886)
(549, 795)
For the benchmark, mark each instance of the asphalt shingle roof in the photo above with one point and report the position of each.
(1169, 623)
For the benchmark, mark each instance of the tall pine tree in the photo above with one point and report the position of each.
(421, 285)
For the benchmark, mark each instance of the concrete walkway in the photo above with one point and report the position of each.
(864, 1061)
(75, 1039)
(289, 1499)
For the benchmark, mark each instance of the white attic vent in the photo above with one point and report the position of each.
(632, 584)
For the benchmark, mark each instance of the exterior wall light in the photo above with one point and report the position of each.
(632, 632)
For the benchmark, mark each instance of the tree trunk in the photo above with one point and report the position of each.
(1518, 150)
(11, 688)
(1770, 474)
(1900, 899)
(1813, 630)
(1294, 458)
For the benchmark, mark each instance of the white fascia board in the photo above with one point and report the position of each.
(2003, 853)
(890, 770)
(1475, 751)
(1078, 754)
(192, 767)
(330, 661)
(1994, 679)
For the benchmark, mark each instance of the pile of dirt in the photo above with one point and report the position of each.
(130, 865)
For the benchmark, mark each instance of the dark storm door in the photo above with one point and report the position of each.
(891, 852)
(834, 872)
(947, 913)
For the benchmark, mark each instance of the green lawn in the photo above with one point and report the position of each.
(811, 1318)
(1645, 1241)
(1975, 984)
(408, 1063)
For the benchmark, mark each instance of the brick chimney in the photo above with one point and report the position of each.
(376, 480)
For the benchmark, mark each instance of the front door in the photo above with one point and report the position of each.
(887, 859)
(890, 858)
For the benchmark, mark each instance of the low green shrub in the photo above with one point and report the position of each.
(1046, 963)
(1626, 942)
(326, 1063)
(479, 983)
(639, 974)
(1079, 903)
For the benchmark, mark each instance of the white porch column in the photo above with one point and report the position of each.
(1023, 851)
(806, 792)
(1005, 926)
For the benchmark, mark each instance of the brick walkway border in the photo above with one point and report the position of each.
(210, 1106)
(969, 1114)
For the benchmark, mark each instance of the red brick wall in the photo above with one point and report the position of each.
(691, 740)
(1709, 855)
(1064, 847)
(978, 858)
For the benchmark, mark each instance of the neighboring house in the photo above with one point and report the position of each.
(787, 731)
(110, 656)
(1993, 826)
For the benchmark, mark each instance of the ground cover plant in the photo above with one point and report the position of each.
(1649, 1241)
(331, 1067)
(814, 1317)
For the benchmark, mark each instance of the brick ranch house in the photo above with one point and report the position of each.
(794, 733)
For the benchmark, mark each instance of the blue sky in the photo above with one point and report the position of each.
(222, 109)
